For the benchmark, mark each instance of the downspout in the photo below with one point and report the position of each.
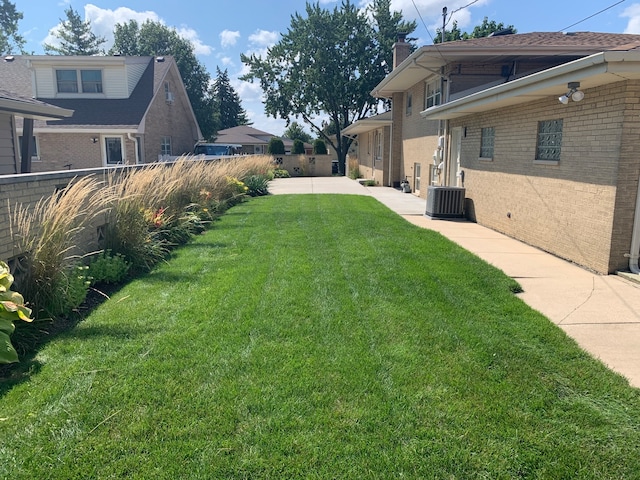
(135, 146)
(635, 237)
(389, 182)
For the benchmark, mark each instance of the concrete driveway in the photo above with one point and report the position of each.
(600, 312)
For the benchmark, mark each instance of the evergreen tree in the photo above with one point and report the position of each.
(153, 39)
(296, 132)
(10, 40)
(76, 37)
(227, 106)
(275, 146)
(298, 147)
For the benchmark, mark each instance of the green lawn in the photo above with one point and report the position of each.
(317, 336)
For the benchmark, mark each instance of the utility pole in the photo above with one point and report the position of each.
(444, 23)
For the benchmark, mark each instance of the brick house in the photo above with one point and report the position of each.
(252, 140)
(500, 116)
(127, 110)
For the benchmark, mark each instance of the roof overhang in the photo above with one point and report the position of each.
(368, 124)
(428, 60)
(34, 110)
(592, 71)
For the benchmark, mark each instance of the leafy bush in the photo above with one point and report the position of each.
(276, 146)
(281, 173)
(258, 185)
(108, 268)
(319, 147)
(11, 308)
(298, 147)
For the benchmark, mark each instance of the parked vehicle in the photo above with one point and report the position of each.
(216, 149)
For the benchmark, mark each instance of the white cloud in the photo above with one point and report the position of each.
(633, 14)
(229, 38)
(264, 38)
(227, 61)
(103, 22)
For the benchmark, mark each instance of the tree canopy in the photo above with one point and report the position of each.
(296, 132)
(227, 107)
(154, 38)
(10, 40)
(485, 29)
(76, 37)
(325, 66)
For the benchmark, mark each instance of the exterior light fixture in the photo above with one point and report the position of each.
(573, 93)
(94, 139)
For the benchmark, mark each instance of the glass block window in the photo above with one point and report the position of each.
(409, 103)
(549, 140)
(487, 139)
(432, 94)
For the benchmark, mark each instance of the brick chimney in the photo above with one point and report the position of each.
(401, 49)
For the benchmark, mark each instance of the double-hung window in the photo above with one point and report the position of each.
(165, 146)
(432, 94)
(79, 81)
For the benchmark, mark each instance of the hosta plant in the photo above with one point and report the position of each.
(11, 309)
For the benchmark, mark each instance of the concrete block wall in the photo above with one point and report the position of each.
(565, 208)
(305, 165)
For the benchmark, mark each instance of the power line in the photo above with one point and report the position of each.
(591, 16)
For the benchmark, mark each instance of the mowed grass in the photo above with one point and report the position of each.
(318, 336)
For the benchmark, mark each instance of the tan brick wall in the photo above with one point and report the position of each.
(369, 166)
(566, 209)
(170, 120)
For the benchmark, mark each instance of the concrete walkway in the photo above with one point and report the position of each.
(601, 312)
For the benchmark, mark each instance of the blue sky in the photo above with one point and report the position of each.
(221, 31)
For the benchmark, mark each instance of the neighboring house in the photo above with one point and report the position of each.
(498, 116)
(126, 110)
(253, 141)
(13, 146)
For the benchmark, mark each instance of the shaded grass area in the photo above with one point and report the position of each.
(318, 336)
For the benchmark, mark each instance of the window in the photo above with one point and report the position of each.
(409, 102)
(432, 94)
(34, 148)
(165, 146)
(90, 81)
(377, 145)
(168, 95)
(113, 146)
(487, 138)
(549, 140)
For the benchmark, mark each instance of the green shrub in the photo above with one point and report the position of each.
(298, 147)
(276, 146)
(319, 147)
(258, 185)
(11, 308)
(108, 268)
(281, 173)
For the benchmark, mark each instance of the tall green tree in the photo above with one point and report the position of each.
(485, 29)
(322, 70)
(295, 132)
(10, 40)
(154, 38)
(387, 24)
(76, 37)
(227, 106)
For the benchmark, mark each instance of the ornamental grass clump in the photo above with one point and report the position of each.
(46, 236)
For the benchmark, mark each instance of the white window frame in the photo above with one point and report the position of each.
(165, 146)
(432, 93)
(105, 155)
(79, 83)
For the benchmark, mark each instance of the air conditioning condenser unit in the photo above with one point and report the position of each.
(445, 202)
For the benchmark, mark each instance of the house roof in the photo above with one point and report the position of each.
(591, 71)
(30, 107)
(368, 124)
(244, 130)
(427, 60)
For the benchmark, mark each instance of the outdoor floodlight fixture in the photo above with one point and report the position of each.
(573, 93)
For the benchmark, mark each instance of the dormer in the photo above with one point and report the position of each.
(96, 77)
